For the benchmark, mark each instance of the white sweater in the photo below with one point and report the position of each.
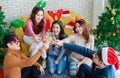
(79, 40)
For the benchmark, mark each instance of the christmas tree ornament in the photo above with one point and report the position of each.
(99, 37)
(108, 33)
(114, 12)
(114, 34)
(109, 7)
(105, 43)
(112, 18)
(117, 31)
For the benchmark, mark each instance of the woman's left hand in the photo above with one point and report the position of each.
(42, 70)
(37, 38)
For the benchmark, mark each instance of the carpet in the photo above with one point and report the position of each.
(49, 75)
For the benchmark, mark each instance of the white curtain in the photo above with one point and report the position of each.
(98, 8)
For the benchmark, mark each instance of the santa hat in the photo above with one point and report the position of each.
(66, 13)
(70, 25)
(109, 57)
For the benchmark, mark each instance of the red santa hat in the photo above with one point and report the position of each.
(66, 13)
(109, 57)
(70, 25)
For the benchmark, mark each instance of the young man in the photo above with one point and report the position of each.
(15, 60)
(104, 60)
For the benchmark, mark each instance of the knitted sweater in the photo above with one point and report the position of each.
(106, 72)
(29, 29)
(55, 50)
(15, 60)
(79, 40)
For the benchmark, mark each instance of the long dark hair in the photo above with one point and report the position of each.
(85, 32)
(62, 34)
(37, 28)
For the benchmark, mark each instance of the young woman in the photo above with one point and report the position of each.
(35, 31)
(56, 56)
(83, 38)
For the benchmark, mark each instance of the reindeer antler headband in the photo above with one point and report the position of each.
(58, 14)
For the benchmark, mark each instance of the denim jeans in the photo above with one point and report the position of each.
(84, 71)
(73, 70)
(30, 72)
(60, 67)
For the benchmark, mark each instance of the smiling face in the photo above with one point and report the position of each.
(56, 29)
(39, 16)
(78, 28)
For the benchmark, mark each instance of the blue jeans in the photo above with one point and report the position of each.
(60, 67)
(73, 70)
(84, 71)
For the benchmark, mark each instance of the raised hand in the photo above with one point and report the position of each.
(58, 42)
(46, 45)
(36, 38)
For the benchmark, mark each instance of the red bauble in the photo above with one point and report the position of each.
(0, 8)
(108, 33)
(117, 31)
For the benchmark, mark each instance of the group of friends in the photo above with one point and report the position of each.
(84, 61)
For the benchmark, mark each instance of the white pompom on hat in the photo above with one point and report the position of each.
(109, 57)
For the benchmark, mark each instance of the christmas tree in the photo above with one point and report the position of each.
(108, 30)
(3, 31)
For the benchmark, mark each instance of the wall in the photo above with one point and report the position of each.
(16, 8)
(98, 9)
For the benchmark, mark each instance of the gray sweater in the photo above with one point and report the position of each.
(55, 50)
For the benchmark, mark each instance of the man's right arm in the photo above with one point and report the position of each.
(79, 49)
